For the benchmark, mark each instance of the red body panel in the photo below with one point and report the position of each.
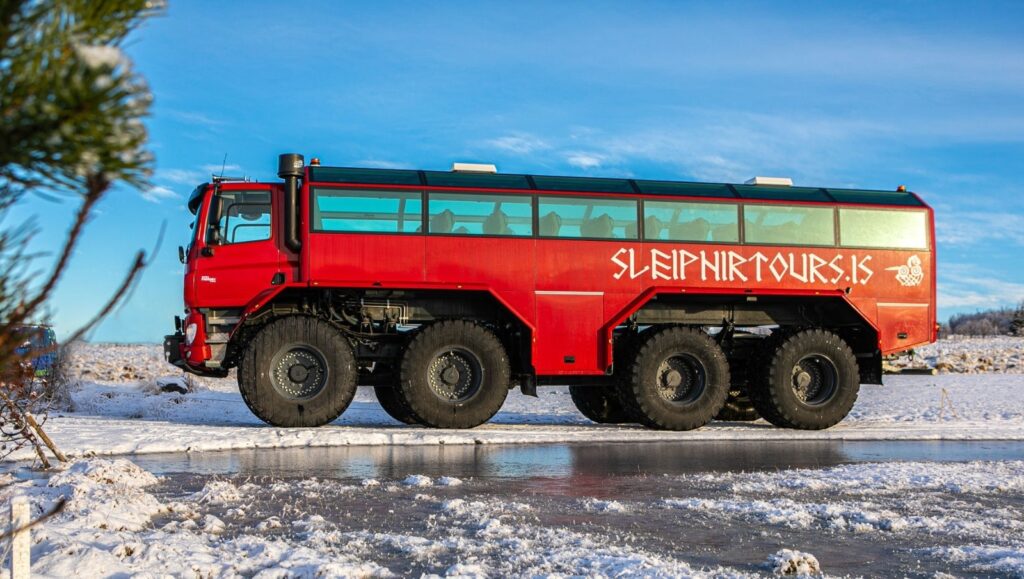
(572, 293)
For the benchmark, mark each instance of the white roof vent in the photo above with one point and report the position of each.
(774, 181)
(474, 168)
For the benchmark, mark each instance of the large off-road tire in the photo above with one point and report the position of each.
(600, 404)
(454, 374)
(679, 379)
(394, 405)
(738, 407)
(810, 382)
(298, 371)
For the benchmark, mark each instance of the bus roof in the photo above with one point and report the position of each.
(409, 177)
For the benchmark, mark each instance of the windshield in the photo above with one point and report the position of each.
(194, 226)
(239, 217)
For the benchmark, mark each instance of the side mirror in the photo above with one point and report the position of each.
(181, 254)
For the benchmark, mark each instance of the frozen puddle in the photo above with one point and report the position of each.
(704, 509)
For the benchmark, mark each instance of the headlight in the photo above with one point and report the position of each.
(190, 333)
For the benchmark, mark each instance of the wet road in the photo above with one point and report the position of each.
(683, 505)
(567, 460)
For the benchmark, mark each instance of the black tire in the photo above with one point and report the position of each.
(810, 382)
(298, 372)
(679, 379)
(454, 374)
(738, 407)
(394, 405)
(600, 404)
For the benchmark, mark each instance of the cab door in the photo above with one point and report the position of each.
(241, 253)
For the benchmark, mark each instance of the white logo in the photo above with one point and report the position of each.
(911, 274)
(208, 279)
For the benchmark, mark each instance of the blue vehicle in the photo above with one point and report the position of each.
(39, 347)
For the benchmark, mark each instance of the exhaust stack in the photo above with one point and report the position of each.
(289, 168)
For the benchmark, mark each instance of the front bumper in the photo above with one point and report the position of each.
(174, 353)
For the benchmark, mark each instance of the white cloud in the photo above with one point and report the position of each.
(519, 143)
(229, 170)
(717, 145)
(179, 176)
(381, 164)
(158, 193)
(967, 228)
(195, 118)
(970, 286)
(584, 161)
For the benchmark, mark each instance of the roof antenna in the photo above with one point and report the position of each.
(223, 165)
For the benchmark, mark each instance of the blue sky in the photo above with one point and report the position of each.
(927, 94)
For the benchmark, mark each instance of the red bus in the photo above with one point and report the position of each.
(658, 302)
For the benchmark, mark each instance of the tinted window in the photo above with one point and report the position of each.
(582, 184)
(778, 224)
(370, 211)
(782, 193)
(482, 180)
(882, 228)
(877, 197)
(369, 176)
(683, 221)
(479, 214)
(238, 217)
(684, 189)
(593, 218)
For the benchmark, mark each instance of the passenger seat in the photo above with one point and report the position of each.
(550, 224)
(497, 224)
(600, 227)
(442, 222)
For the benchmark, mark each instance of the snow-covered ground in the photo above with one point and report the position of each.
(967, 355)
(879, 519)
(118, 409)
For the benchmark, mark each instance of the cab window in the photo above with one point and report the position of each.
(239, 217)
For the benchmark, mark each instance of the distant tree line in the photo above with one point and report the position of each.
(996, 322)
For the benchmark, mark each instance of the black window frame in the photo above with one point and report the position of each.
(529, 197)
(835, 224)
(312, 209)
(929, 243)
(215, 198)
(639, 214)
(698, 201)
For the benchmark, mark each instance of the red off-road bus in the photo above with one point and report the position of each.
(659, 302)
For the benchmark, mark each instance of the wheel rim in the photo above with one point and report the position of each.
(681, 379)
(298, 372)
(455, 375)
(815, 379)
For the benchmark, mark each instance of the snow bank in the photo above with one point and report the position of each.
(113, 525)
(790, 562)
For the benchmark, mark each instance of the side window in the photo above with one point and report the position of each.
(239, 217)
(883, 228)
(686, 221)
(367, 211)
(788, 225)
(589, 218)
(480, 214)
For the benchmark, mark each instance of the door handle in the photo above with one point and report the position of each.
(206, 252)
